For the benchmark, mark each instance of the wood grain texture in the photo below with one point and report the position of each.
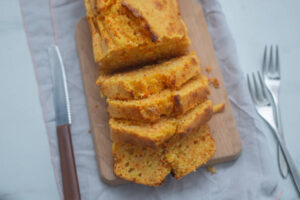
(223, 127)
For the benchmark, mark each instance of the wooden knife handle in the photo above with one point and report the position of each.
(67, 163)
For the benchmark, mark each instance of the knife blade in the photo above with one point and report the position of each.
(63, 122)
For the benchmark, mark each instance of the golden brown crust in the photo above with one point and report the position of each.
(150, 79)
(155, 134)
(152, 11)
(96, 38)
(128, 40)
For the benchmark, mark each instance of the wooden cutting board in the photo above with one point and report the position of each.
(223, 127)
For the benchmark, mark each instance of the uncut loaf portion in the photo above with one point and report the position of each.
(154, 134)
(150, 166)
(128, 33)
(151, 79)
(166, 103)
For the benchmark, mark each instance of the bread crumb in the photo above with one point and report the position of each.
(214, 82)
(208, 69)
(211, 169)
(90, 131)
(218, 108)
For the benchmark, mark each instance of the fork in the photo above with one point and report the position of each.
(265, 110)
(271, 75)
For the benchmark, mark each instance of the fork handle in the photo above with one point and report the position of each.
(283, 168)
(291, 164)
(281, 161)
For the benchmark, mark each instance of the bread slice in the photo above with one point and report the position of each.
(190, 94)
(186, 154)
(193, 119)
(166, 103)
(147, 110)
(155, 134)
(142, 134)
(150, 79)
(139, 164)
(130, 36)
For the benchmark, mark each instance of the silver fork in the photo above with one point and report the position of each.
(271, 75)
(265, 110)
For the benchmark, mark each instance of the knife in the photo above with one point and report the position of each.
(63, 123)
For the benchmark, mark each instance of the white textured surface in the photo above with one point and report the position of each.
(26, 171)
(254, 24)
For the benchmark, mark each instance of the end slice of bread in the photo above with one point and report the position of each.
(186, 154)
(140, 164)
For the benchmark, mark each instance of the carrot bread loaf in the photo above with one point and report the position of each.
(131, 32)
(165, 103)
(155, 134)
(139, 164)
(150, 79)
(186, 154)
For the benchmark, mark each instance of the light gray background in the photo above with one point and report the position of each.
(27, 171)
(254, 24)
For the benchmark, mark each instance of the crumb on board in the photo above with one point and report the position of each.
(218, 108)
(96, 106)
(214, 82)
(208, 69)
(211, 169)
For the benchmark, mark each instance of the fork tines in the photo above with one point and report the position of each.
(273, 68)
(258, 93)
